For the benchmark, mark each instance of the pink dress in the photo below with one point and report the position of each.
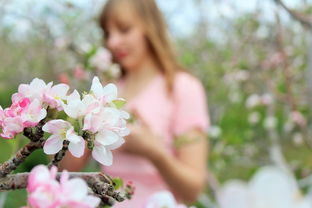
(167, 117)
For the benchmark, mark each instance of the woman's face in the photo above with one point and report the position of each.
(126, 40)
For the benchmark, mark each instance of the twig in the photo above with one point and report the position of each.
(10, 165)
(60, 155)
(303, 18)
(100, 183)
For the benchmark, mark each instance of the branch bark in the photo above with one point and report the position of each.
(306, 20)
(100, 183)
(10, 165)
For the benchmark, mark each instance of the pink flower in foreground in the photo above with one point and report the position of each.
(46, 192)
(75, 193)
(43, 189)
(62, 130)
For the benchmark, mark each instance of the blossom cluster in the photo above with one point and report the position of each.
(95, 114)
(45, 191)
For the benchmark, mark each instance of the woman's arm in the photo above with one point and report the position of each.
(186, 173)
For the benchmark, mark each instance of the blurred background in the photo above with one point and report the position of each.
(253, 57)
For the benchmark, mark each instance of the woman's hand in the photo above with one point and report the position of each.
(142, 141)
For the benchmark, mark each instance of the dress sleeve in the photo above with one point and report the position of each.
(191, 110)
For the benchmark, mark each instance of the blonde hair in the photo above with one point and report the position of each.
(156, 34)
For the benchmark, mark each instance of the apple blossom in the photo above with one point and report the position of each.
(62, 130)
(35, 89)
(44, 191)
(109, 126)
(33, 114)
(11, 126)
(106, 94)
(56, 95)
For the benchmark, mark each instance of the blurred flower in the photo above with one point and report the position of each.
(237, 76)
(298, 139)
(273, 61)
(214, 131)
(85, 47)
(63, 78)
(253, 101)
(162, 199)
(80, 73)
(254, 117)
(289, 125)
(102, 59)
(270, 122)
(235, 96)
(61, 43)
(266, 99)
(270, 188)
(45, 191)
(298, 118)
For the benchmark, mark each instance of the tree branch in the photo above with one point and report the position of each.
(306, 20)
(100, 184)
(10, 165)
(60, 155)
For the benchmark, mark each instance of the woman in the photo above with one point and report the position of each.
(167, 147)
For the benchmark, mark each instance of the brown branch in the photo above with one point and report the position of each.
(302, 18)
(10, 165)
(100, 184)
(60, 155)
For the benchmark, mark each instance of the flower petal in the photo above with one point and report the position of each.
(77, 149)
(53, 145)
(102, 155)
(105, 137)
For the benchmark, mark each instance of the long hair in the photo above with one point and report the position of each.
(156, 34)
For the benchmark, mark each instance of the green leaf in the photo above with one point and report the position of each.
(118, 183)
(119, 103)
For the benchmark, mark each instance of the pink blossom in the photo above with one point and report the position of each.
(63, 78)
(77, 108)
(35, 89)
(80, 73)
(33, 114)
(2, 116)
(43, 189)
(102, 59)
(62, 130)
(109, 126)
(46, 192)
(75, 193)
(298, 118)
(56, 95)
(106, 94)
(11, 126)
